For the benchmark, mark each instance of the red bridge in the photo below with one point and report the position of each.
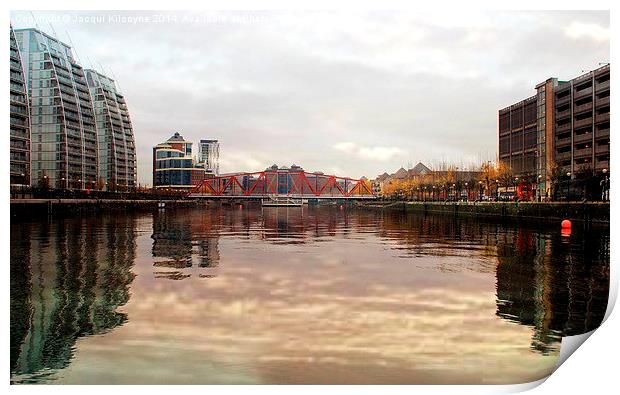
(283, 182)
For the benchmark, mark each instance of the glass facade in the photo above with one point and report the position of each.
(117, 152)
(173, 165)
(209, 155)
(63, 131)
(19, 118)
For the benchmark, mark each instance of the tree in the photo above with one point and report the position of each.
(44, 182)
(555, 176)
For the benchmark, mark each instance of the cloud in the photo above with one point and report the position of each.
(588, 30)
(381, 154)
(388, 87)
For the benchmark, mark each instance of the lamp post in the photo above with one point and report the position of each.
(514, 186)
(605, 183)
(454, 190)
(467, 191)
(433, 193)
(23, 182)
(480, 190)
(568, 192)
(424, 193)
(497, 190)
(539, 188)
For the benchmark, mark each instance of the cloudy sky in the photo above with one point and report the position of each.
(347, 93)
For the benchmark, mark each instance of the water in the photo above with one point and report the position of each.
(312, 295)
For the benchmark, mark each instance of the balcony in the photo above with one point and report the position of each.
(582, 122)
(602, 117)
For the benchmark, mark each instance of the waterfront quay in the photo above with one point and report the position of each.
(39, 207)
(587, 212)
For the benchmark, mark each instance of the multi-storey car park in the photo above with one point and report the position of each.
(564, 128)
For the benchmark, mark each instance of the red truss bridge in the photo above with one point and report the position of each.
(294, 184)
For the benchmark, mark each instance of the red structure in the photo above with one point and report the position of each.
(283, 182)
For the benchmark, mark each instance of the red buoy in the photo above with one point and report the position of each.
(566, 224)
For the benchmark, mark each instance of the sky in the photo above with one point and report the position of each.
(352, 94)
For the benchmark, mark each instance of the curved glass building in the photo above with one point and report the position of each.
(20, 122)
(117, 150)
(62, 122)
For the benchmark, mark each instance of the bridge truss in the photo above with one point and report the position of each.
(294, 184)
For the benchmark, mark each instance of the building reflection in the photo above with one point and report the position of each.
(557, 285)
(184, 241)
(68, 278)
(554, 284)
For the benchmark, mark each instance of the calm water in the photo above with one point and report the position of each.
(325, 295)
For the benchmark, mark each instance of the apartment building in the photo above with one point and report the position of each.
(116, 144)
(19, 118)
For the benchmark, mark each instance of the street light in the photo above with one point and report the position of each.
(539, 188)
(23, 182)
(497, 189)
(568, 192)
(605, 184)
(480, 190)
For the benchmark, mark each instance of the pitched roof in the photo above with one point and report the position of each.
(400, 174)
(420, 169)
(176, 137)
(383, 177)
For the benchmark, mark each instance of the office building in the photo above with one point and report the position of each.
(173, 165)
(564, 128)
(209, 155)
(19, 118)
(117, 151)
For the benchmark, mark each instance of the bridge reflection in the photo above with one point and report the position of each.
(555, 285)
(70, 276)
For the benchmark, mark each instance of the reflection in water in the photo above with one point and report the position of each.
(558, 286)
(180, 240)
(301, 295)
(67, 279)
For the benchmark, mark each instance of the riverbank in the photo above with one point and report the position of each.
(27, 207)
(588, 212)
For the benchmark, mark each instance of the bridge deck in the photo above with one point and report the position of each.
(268, 196)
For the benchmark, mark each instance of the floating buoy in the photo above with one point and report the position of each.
(565, 232)
(566, 224)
